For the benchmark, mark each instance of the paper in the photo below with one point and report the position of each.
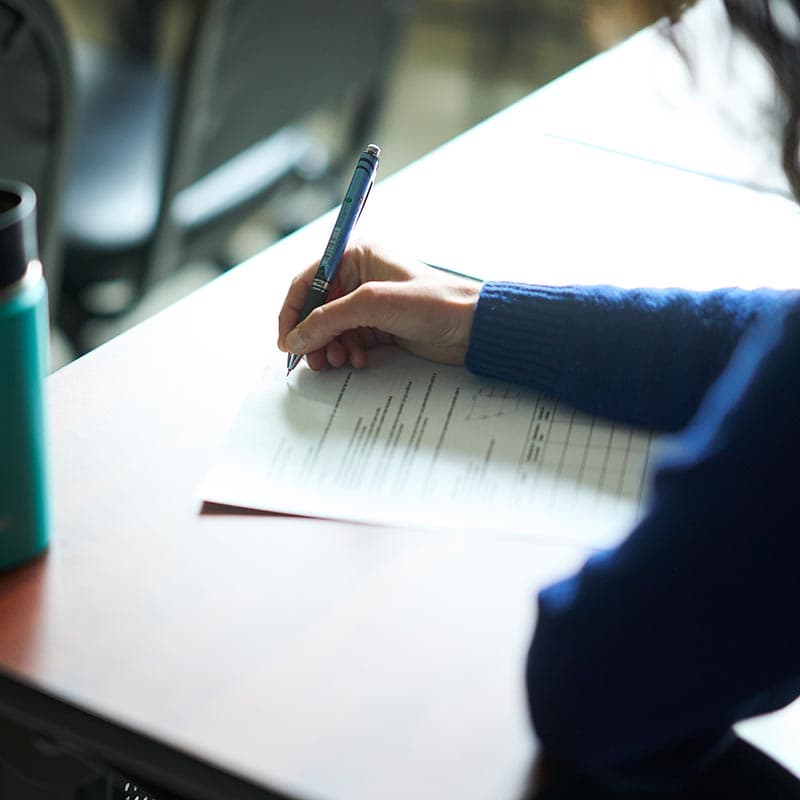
(410, 443)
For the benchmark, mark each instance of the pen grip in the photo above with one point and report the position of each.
(317, 294)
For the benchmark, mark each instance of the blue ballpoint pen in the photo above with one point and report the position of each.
(353, 204)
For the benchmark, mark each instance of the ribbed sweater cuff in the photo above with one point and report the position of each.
(518, 334)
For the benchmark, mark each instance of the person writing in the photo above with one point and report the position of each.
(641, 662)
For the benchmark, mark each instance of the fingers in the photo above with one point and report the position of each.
(317, 360)
(362, 264)
(375, 300)
(347, 279)
(355, 353)
(295, 297)
(337, 353)
(369, 306)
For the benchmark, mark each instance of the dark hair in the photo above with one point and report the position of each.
(776, 34)
(780, 47)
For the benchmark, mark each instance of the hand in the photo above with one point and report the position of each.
(378, 300)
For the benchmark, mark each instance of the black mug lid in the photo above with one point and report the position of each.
(17, 230)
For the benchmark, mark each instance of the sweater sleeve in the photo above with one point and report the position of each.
(642, 661)
(643, 356)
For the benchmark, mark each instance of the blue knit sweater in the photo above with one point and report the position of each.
(642, 661)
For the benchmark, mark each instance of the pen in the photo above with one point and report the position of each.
(355, 199)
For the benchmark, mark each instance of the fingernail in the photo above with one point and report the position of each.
(295, 343)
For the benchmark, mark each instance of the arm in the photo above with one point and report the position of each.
(642, 356)
(642, 661)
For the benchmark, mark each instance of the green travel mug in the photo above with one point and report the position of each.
(24, 364)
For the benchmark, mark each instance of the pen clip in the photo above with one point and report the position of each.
(364, 201)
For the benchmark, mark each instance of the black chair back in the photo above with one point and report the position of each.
(165, 177)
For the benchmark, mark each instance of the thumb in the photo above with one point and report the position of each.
(362, 308)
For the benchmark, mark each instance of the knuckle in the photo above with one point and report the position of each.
(373, 301)
(319, 320)
(369, 293)
(364, 252)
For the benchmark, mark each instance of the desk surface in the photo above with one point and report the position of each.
(220, 653)
(699, 101)
(317, 659)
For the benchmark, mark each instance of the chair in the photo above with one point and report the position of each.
(36, 117)
(169, 160)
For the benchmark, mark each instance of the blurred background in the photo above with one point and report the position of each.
(186, 135)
